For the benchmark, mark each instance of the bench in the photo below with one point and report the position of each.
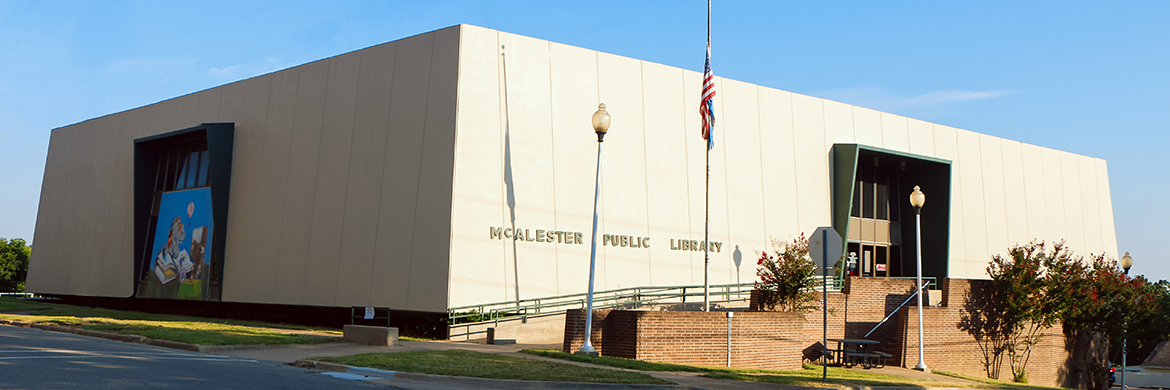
(882, 358)
(866, 360)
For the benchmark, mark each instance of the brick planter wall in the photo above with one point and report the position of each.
(575, 330)
(951, 348)
(774, 340)
(767, 340)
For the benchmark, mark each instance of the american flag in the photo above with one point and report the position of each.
(707, 104)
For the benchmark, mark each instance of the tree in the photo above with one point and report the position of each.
(786, 278)
(1019, 288)
(1146, 332)
(1097, 302)
(14, 256)
(981, 318)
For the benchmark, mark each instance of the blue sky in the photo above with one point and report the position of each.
(1085, 77)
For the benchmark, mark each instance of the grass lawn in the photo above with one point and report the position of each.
(12, 304)
(810, 376)
(996, 383)
(164, 327)
(486, 365)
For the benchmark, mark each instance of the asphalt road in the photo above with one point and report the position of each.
(36, 359)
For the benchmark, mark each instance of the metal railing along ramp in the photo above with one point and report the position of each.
(469, 316)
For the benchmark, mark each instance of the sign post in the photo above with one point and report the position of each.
(824, 244)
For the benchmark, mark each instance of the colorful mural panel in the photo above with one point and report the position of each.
(181, 265)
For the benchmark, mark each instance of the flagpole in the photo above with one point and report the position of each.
(707, 196)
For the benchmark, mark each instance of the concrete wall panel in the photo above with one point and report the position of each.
(1073, 212)
(429, 267)
(744, 173)
(867, 126)
(921, 137)
(838, 123)
(1034, 191)
(297, 214)
(781, 209)
(248, 156)
(104, 170)
(666, 171)
(696, 154)
(115, 266)
(45, 258)
(895, 132)
(1090, 207)
(332, 180)
(1053, 195)
(231, 107)
(969, 168)
(946, 146)
(186, 112)
(528, 163)
(478, 268)
(812, 162)
(623, 179)
(1015, 193)
(994, 198)
(269, 202)
(573, 75)
(378, 71)
(1105, 205)
(81, 222)
(209, 105)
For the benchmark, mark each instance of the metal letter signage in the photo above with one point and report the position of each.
(694, 246)
(538, 235)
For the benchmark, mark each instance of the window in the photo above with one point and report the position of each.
(874, 218)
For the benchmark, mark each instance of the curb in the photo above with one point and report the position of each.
(479, 382)
(117, 337)
(215, 349)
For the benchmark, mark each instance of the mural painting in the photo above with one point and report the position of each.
(181, 264)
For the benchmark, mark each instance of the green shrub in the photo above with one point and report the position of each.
(786, 277)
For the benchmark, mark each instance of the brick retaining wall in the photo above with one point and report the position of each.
(775, 340)
(766, 340)
(953, 349)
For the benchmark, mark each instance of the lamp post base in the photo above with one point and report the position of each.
(587, 353)
(921, 367)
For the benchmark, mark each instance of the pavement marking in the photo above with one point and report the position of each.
(49, 350)
(348, 376)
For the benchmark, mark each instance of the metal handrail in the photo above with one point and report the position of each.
(925, 283)
(605, 299)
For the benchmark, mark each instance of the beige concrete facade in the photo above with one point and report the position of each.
(397, 176)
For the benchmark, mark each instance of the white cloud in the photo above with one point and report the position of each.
(248, 69)
(954, 96)
(224, 72)
(937, 102)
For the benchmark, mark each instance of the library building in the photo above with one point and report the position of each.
(454, 172)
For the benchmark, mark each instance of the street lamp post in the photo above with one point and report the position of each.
(1126, 262)
(917, 199)
(600, 126)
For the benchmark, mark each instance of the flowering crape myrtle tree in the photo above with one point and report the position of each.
(786, 277)
(1146, 333)
(1097, 301)
(1021, 301)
